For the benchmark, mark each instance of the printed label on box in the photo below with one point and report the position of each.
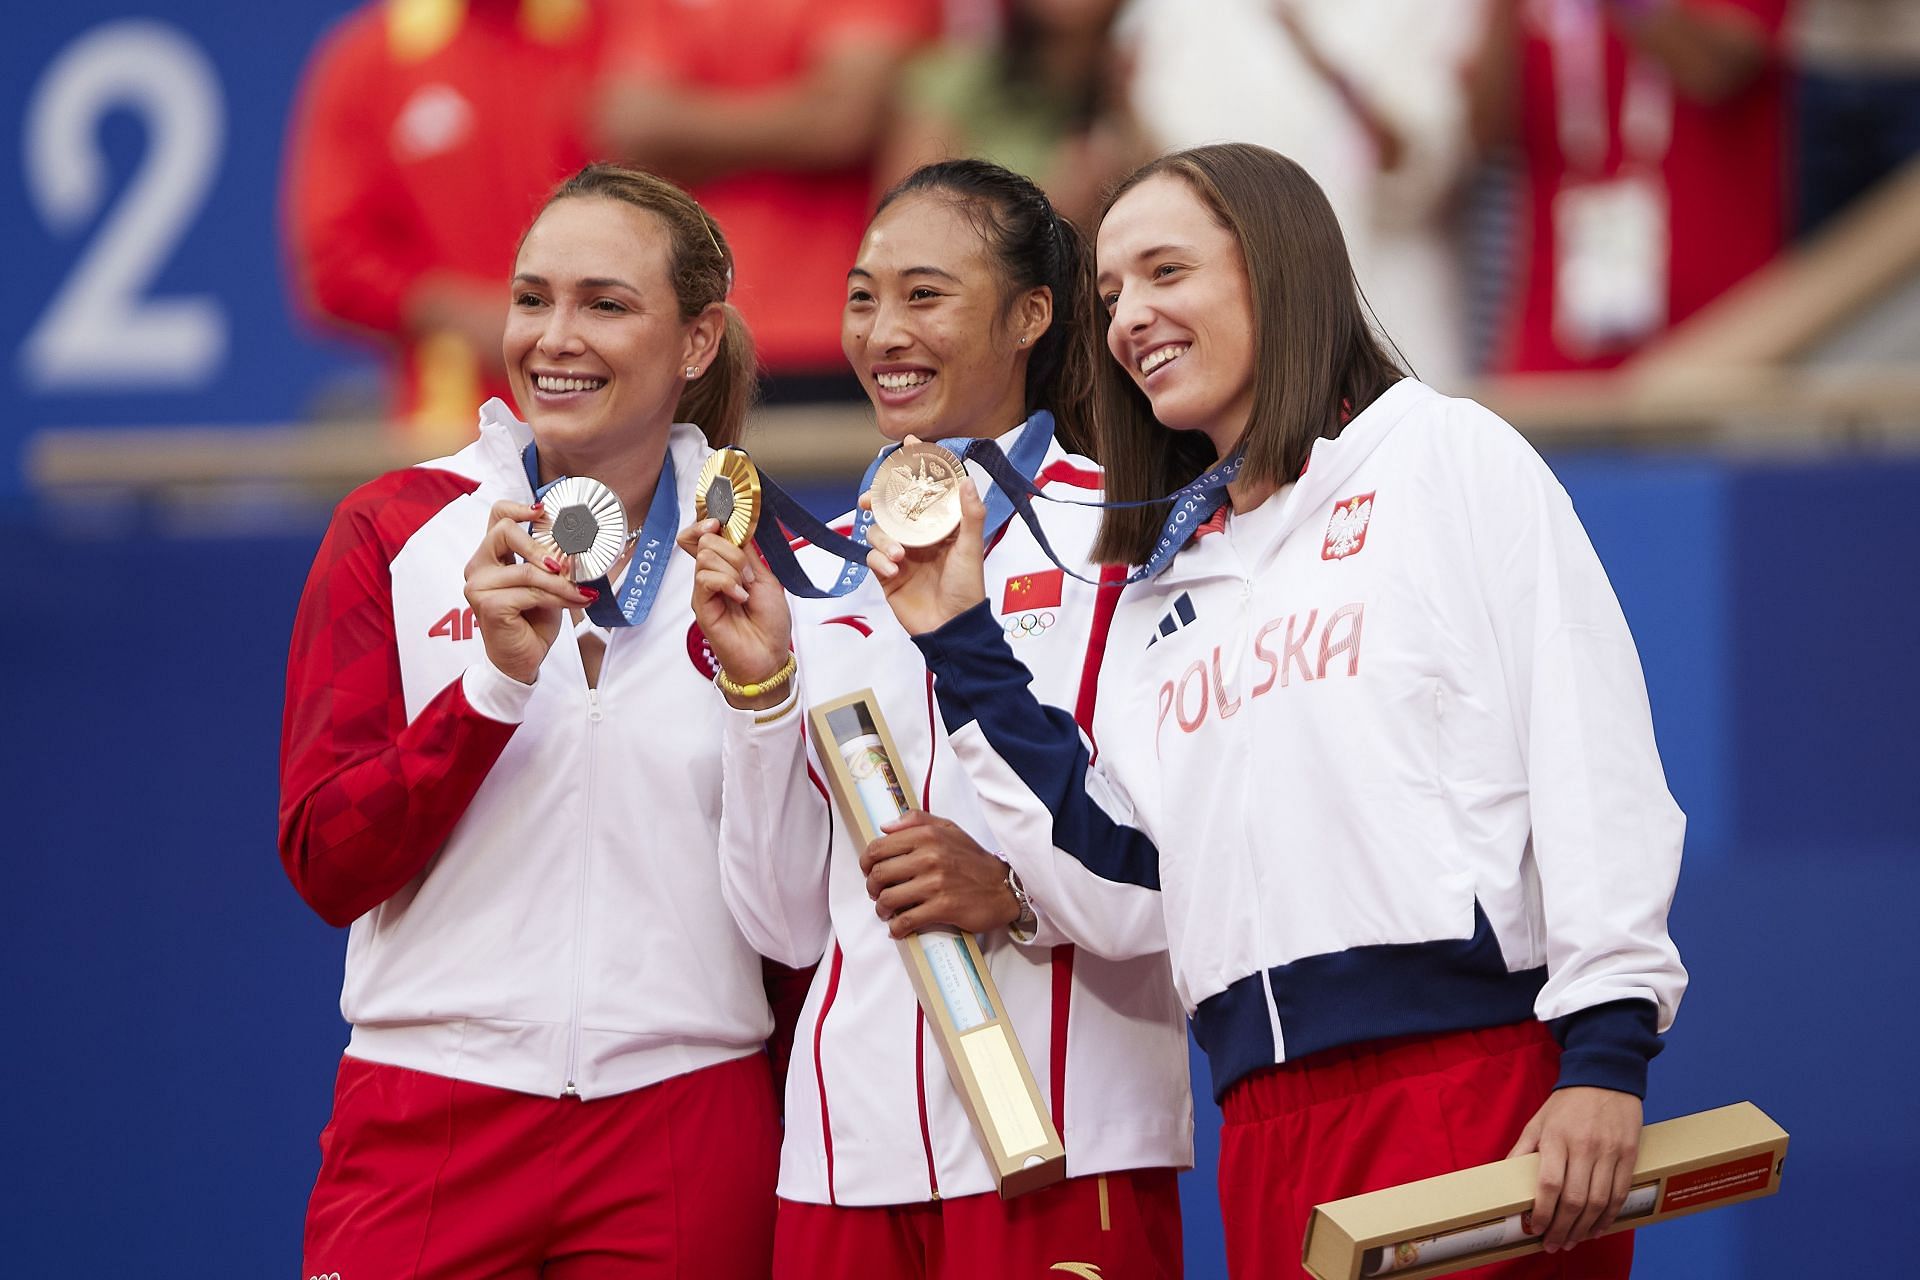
(1717, 1182)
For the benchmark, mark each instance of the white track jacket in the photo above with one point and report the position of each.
(1380, 749)
(871, 1116)
(529, 870)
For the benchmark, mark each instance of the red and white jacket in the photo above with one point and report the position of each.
(871, 1116)
(528, 869)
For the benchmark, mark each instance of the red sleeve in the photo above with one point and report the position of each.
(366, 798)
(354, 248)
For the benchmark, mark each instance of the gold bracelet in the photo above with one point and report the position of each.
(779, 713)
(754, 688)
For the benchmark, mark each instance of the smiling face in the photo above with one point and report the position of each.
(1180, 309)
(928, 328)
(596, 350)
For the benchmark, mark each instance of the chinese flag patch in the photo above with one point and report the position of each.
(1033, 591)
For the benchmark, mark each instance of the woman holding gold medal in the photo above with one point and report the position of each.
(966, 316)
(1370, 720)
(501, 768)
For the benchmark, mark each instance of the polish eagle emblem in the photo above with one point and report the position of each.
(1347, 529)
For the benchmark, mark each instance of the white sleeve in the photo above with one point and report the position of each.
(1093, 877)
(1606, 833)
(776, 830)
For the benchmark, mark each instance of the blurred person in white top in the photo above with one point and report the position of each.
(1367, 96)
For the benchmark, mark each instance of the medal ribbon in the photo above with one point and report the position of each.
(648, 566)
(1193, 505)
(1012, 493)
(1024, 462)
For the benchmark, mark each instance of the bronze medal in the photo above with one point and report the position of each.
(916, 496)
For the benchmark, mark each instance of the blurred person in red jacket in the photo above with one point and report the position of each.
(426, 135)
(771, 112)
(1652, 136)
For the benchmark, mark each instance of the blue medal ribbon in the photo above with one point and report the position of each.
(1193, 505)
(1029, 451)
(648, 566)
(1014, 488)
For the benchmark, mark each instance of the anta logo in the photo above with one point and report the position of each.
(1308, 651)
(1085, 1270)
(701, 653)
(1347, 527)
(454, 624)
(855, 620)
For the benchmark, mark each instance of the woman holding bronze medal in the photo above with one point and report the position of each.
(1370, 721)
(966, 317)
(509, 787)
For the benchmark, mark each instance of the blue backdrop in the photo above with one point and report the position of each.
(174, 1026)
(139, 170)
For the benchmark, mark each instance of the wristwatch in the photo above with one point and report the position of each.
(1025, 925)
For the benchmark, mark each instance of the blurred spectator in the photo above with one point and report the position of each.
(1651, 134)
(771, 113)
(1858, 99)
(1367, 95)
(426, 135)
(1044, 99)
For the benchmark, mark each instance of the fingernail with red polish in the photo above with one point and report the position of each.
(590, 593)
(553, 566)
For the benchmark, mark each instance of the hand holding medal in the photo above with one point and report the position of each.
(921, 498)
(518, 590)
(741, 609)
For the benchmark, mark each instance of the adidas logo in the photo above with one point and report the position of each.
(1179, 616)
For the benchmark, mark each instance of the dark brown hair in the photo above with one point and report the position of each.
(1034, 248)
(1316, 360)
(700, 265)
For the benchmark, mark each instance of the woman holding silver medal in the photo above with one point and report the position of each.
(966, 316)
(511, 793)
(1370, 722)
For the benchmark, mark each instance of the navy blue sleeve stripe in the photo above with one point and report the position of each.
(979, 681)
(1609, 1045)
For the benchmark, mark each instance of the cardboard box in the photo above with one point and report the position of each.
(949, 973)
(1473, 1217)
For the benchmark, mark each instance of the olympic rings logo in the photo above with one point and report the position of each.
(1029, 624)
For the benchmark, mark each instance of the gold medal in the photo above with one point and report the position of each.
(916, 496)
(583, 518)
(728, 490)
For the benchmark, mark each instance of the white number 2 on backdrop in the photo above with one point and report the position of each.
(103, 330)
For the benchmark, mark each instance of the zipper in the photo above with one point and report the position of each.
(594, 717)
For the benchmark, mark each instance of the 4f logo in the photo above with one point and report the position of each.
(454, 624)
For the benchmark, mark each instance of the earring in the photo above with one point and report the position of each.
(1023, 342)
(693, 371)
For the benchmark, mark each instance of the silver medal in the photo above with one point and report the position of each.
(585, 519)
